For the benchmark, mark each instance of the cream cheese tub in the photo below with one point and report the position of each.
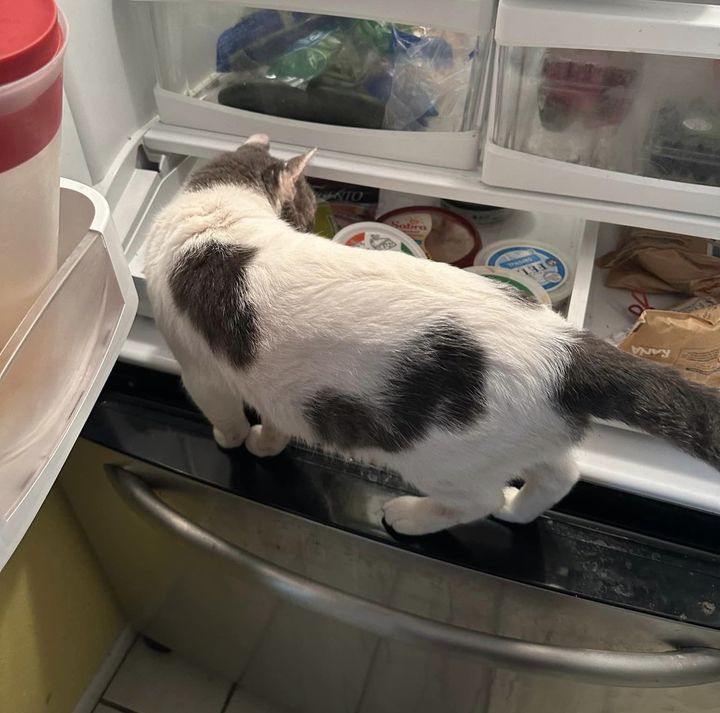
(550, 267)
(377, 236)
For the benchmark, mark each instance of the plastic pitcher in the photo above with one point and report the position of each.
(33, 35)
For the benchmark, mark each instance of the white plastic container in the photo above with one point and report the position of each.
(32, 45)
(377, 236)
(613, 101)
(549, 267)
(392, 80)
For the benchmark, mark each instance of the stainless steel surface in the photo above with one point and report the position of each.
(222, 618)
(679, 667)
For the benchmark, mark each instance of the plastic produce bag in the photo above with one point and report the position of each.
(348, 72)
(430, 77)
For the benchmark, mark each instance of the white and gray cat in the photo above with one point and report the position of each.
(455, 382)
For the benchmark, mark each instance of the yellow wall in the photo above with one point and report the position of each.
(57, 615)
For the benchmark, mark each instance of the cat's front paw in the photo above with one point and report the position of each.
(226, 441)
(261, 446)
(508, 512)
(410, 515)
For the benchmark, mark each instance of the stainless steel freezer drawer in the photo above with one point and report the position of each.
(313, 616)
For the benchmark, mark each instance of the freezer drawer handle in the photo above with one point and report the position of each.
(681, 667)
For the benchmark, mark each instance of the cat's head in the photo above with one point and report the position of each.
(281, 182)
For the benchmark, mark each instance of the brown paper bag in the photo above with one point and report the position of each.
(688, 341)
(659, 263)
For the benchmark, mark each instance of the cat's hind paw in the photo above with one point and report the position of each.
(228, 442)
(508, 512)
(262, 446)
(410, 515)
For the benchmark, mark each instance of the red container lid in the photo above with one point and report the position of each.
(30, 35)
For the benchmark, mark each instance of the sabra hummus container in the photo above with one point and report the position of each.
(520, 282)
(545, 264)
(444, 235)
(376, 236)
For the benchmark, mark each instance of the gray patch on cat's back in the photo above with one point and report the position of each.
(436, 379)
(250, 166)
(209, 286)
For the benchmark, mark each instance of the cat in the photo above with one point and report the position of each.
(456, 382)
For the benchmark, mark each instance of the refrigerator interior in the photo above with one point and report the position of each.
(191, 604)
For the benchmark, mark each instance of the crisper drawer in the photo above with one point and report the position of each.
(402, 82)
(617, 101)
(279, 575)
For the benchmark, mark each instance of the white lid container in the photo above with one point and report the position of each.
(515, 279)
(549, 267)
(378, 236)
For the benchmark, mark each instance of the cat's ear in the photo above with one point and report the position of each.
(262, 140)
(292, 170)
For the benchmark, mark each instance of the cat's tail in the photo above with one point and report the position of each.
(607, 383)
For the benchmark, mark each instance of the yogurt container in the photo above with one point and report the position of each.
(377, 236)
(444, 235)
(548, 266)
(520, 282)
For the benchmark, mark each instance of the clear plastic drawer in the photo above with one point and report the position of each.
(406, 89)
(580, 109)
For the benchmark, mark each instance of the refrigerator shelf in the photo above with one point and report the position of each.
(564, 231)
(435, 181)
(56, 362)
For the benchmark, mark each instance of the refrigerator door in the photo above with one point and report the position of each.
(57, 361)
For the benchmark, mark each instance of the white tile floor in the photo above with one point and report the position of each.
(149, 681)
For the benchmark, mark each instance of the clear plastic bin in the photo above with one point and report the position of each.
(647, 115)
(594, 120)
(224, 67)
(53, 367)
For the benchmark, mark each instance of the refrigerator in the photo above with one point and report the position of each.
(580, 116)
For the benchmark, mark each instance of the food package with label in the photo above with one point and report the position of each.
(661, 263)
(442, 234)
(342, 204)
(687, 341)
